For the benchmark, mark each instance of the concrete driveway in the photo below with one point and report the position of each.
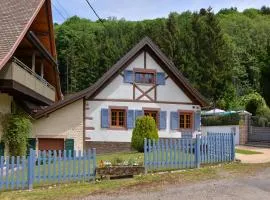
(254, 158)
(238, 188)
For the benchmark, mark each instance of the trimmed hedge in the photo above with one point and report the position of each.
(145, 127)
(217, 120)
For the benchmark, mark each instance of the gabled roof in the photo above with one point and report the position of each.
(147, 43)
(16, 18)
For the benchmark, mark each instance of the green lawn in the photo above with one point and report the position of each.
(246, 152)
(139, 157)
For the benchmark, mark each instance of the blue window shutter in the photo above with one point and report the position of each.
(128, 76)
(138, 113)
(197, 120)
(104, 118)
(162, 119)
(160, 78)
(130, 119)
(174, 120)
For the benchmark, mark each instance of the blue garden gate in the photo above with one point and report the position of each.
(46, 167)
(185, 153)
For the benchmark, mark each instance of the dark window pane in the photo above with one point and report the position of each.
(141, 77)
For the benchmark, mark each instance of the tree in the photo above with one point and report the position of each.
(212, 55)
(265, 81)
(265, 10)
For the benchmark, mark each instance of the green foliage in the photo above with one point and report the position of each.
(230, 119)
(253, 102)
(145, 127)
(225, 55)
(16, 128)
(260, 121)
(265, 80)
(117, 161)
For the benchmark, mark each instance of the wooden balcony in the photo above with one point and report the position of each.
(21, 74)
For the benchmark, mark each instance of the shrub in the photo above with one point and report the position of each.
(16, 128)
(253, 103)
(260, 121)
(230, 119)
(145, 127)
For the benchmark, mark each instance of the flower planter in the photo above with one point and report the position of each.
(120, 171)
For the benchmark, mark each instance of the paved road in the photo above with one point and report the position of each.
(240, 188)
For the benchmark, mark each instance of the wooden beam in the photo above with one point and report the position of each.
(42, 34)
(35, 41)
(144, 93)
(34, 61)
(144, 58)
(42, 69)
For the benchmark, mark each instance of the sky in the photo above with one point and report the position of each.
(136, 10)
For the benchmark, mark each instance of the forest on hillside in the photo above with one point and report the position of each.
(225, 55)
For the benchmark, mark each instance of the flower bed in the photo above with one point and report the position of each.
(120, 171)
(119, 168)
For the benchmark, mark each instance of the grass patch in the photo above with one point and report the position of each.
(139, 183)
(247, 152)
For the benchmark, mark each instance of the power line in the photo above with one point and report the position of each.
(62, 7)
(95, 12)
(59, 12)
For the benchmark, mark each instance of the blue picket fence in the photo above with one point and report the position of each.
(46, 167)
(185, 153)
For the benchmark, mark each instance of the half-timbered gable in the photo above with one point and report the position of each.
(143, 80)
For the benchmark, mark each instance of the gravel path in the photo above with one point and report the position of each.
(239, 188)
(255, 158)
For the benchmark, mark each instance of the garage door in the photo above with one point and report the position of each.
(50, 144)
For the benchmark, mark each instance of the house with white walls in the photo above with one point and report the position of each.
(143, 82)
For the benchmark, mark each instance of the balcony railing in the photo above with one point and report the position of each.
(22, 74)
(22, 65)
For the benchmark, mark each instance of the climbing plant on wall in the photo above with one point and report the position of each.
(16, 130)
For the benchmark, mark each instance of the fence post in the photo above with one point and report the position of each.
(30, 175)
(198, 151)
(145, 155)
(233, 146)
(94, 162)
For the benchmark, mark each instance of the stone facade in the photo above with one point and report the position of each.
(66, 123)
(108, 147)
(243, 129)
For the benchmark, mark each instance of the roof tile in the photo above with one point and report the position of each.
(15, 17)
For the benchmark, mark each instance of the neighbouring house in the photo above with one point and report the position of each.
(142, 82)
(29, 73)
